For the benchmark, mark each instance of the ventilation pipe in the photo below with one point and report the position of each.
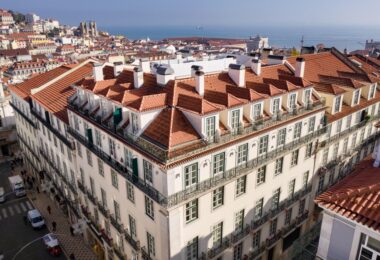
(97, 71)
(138, 77)
(300, 67)
(237, 74)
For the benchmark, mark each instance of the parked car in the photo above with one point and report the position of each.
(35, 219)
(52, 244)
(2, 195)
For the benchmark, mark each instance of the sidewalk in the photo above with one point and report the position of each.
(70, 244)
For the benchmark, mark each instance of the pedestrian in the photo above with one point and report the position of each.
(72, 256)
(48, 209)
(72, 231)
(54, 225)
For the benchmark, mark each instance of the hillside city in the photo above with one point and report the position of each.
(185, 148)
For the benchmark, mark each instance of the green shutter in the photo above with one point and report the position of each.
(89, 136)
(135, 169)
(117, 116)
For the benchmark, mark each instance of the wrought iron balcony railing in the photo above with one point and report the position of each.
(135, 244)
(30, 121)
(37, 157)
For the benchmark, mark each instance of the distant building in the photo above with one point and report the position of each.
(6, 17)
(88, 30)
(31, 18)
(93, 31)
(369, 45)
(257, 43)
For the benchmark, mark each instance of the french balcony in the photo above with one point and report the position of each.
(116, 223)
(144, 253)
(295, 223)
(257, 251)
(30, 121)
(103, 209)
(81, 187)
(135, 244)
(92, 197)
(28, 146)
(119, 252)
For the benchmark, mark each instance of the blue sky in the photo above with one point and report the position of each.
(205, 12)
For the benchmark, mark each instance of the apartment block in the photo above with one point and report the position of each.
(221, 165)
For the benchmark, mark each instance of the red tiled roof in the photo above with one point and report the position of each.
(328, 88)
(357, 197)
(281, 84)
(344, 82)
(265, 89)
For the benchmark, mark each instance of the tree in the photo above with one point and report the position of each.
(17, 17)
(294, 52)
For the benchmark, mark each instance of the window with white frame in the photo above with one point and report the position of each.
(240, 185)
(191, 210)
(235, 119)
(148, 172)
(134, 123)
(238, 251)
(128, 158)
(301, 208)
(114, 178)
(307, 96)
(294, 158)
(288, 216)
(297, 130)
(104, 197)
(218, 197)
(311, 124)
(278, 166)
(149, 210)
(151, 244)
(242, 154)
(321, 184)
(325, 156)
(291, 186)
(335, 151)
(305, 179)
(259, 208)
(218, 163)
(362, 133)
(192, 249)
(89, 157)
(281, 137)
(239, 221)
(257, 111)
(292, 100)
(191, 175)
(210, 127)
(275, 106)
(339, 126)
(263, 145)
(92, 186)
(372, 91)
(273, 227)
(98, 138)
(111, 145)
(132, 227)
(276, 198)
(256, 239)
(130, 191)
(338, 100)
(356, 97)
(353, 142)
(345, 145)
(217, 234)
(261, 175)
(116, 207)
(309, 150)
(79, 149)
(348, 121)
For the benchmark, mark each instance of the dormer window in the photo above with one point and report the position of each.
(292, 101)
(356, 97)
(256, 111)
(372, 91)
(235, 119)
(135, 123)
(338, 100)
(275, 106)
(210, 128)
(307, 96)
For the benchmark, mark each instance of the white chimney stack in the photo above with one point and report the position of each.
(117, 68)
(300, 67)
(98, 72)
(164, 74)
(145, 65)
(276, 59)
(256, 66)
(138, 77)
(195, 68)
(237, 74)
(200, 82)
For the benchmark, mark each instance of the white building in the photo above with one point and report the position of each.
(215, 165)
(31, 18)
(257, 43)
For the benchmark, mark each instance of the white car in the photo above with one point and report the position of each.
(35, 219)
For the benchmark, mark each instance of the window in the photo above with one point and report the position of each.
(218, 163)
(335, 151)
(235, 119)
(259, 208)
(192, 249)
(128, 157)
(301, 208)
(104, 197)
(98, 138)
(62, 148)
(191, 175)
(288, 216)
(275, 106)
(191, 210)
(338, 100)
(149, 210)
(281, 137)
(325, 156)
(130, 192)
(356, 97)
(116, 210)
(362, 133)
(210, 128)
(92, 186)
(218, 197)
(278, 166)
(135, 123)
(242, 154)
(309, 150)
(151, 245)
(76, 123)
(100, 167)
(239, 221)
(345, 145)
(256, 239)
(372, 91)
(132, 227)
(114, 179)
(311, 124)
(305, 179)
(297, 130)
(240, 185)
(263, 145)
(89, 157)
(111, 144)
(331, 178)
(321, 184)
(354, 139)
(257, 111)
(276, 198)
(261, 175)
(339, 126)
(291, 187)
(81, 176)
(148, 172)
(294, 159)
(217, 234)
(79, 149)
(307, 96)
(348, 122)
(238, 251)
(273, 227)
(292, 101)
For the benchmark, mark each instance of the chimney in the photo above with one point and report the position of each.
(237, 74)
(117, 68)
(98, 72)
(200, 82)
(256, 66)
(164, 74)
(195, 68)
(300, 67)
(276, 59)
(138, 77)
(145, 65)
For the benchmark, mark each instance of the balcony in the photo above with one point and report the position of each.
(29, 148)
(81, 187)
(135, 244)
(58, 134)
(91, 197)
(116, 223)
(119, 252)
(103, 209)
(165, 156)
(30, 121)
(295, 223)
(145, 255)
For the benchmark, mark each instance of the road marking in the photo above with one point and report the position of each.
(29, 205)
(23, 206)
(5, 215)
(11, 210)
(18, 210)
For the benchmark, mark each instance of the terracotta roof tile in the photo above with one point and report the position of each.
(265, 89)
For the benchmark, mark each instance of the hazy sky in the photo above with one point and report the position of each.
(204, 12)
